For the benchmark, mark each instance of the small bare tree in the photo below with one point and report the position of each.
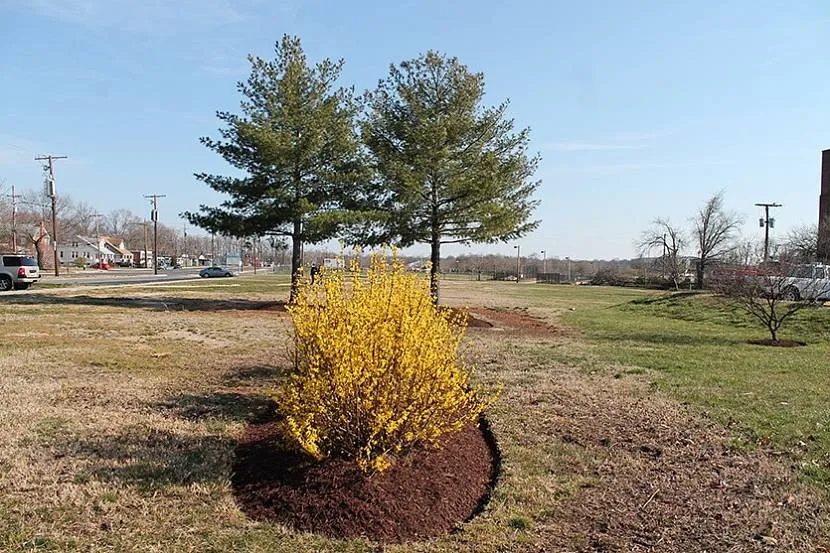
(714, 230)
(770, 295)
(670, 241)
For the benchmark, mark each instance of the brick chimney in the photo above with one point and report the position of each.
(824, 207)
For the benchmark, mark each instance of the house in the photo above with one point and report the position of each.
(91, 250)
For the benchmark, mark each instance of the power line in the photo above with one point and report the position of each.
(154, 216)
(54, 196)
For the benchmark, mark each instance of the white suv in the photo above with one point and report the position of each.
(17, 271)
(808, 282)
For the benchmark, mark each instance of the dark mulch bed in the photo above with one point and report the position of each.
(275, 306)
(425, 494)
(777, 343)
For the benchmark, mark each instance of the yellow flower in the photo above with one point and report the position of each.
(376, 366)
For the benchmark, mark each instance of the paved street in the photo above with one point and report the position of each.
(120, 277)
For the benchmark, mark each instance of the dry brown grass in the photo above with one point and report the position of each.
(117, 429)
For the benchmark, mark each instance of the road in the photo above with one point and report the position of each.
(118, 277)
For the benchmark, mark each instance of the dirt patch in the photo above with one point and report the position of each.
(472, 321)
(777, 343)
(514, 320)
(424, 494)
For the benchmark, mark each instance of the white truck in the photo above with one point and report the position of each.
(808, 282)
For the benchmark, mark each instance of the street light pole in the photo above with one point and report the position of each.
(544, 262)
(569, 268)
(518, 262)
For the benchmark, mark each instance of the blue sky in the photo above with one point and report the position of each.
(639, 109)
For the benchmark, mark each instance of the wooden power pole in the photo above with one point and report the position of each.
(155, 218)
(766, 222)
(14, 197)
(54, 197)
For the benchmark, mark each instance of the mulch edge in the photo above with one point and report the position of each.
(777, 343)
(488, 436)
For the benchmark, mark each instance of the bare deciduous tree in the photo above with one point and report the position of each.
(714, 230)
(119, 222)
(669, 241)
(768, 293)
(804, 243)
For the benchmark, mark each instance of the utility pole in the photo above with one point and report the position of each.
(98, 241)
(154, 216)
(14, 197)
(544, 263)
(184, 240)
(766, 222)
(518, 262)
(54, 196)
(144, 224)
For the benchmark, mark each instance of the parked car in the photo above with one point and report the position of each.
(808, 282)
(125, 263)
(104, 266)
(18, 271)
(208, 272)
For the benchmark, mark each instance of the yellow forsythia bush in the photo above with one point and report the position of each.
(376, 367)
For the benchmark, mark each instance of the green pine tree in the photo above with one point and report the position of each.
(451, 170)
(296, 146)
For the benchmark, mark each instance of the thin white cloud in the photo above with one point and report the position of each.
(639, 136)
(620, 168)
(588, 146)
(627, 141)
(143, 16)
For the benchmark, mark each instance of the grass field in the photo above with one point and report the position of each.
(118, 420)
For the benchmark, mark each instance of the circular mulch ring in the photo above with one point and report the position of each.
(777, 343)
(276, 306)
(423, 495)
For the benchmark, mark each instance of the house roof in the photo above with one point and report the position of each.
(116, 242)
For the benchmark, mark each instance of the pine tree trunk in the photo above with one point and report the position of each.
(435, 261)
(296, 258)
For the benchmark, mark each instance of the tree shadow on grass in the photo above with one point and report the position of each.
(229, 406)
(669, 298)
(162, 303)
(257, 375)
(151, 458)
